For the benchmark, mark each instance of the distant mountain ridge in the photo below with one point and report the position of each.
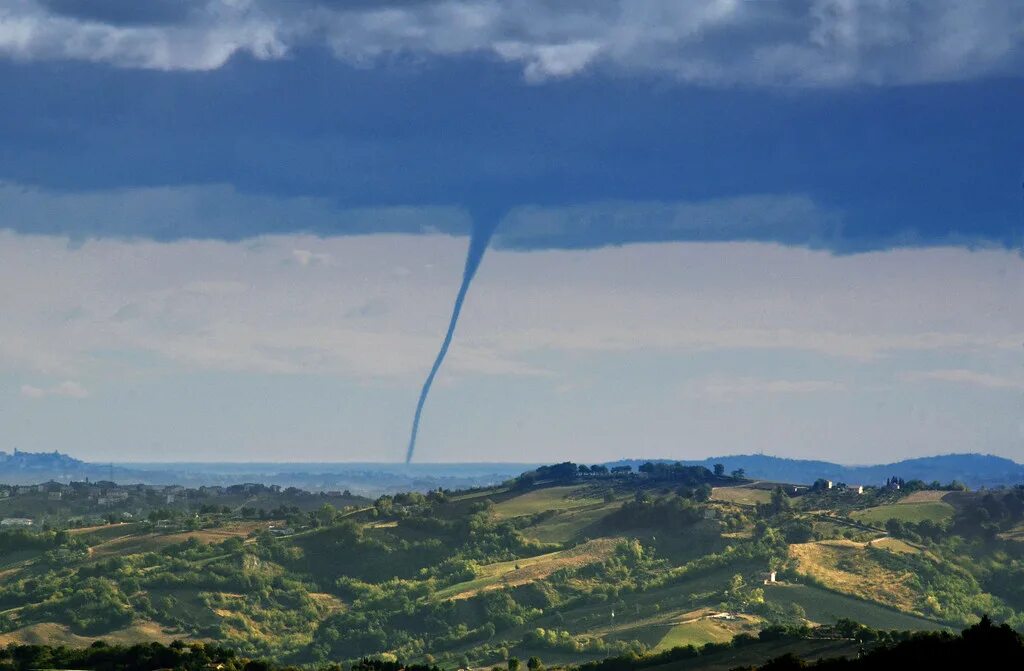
(974, 470)
(369, 479)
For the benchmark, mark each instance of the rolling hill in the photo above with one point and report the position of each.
(561, 563)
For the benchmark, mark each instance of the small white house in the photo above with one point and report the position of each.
(15, 522)
(769, 577)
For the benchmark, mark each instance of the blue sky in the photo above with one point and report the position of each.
(232, 229)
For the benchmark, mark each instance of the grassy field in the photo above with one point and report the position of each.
(1015, 534)
(746, 496)
(49, 633)
(567, 525)
(847, 567)
(103, 533)
(759, 653)
(539, 500)
(925, 496)
(825, 607)
(523, 571)
(697, 633)
(126, 543)
(936, 511)
(895, 545)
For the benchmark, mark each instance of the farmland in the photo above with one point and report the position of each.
(559, 564)
(541, 500)
(747, 496)
(825, 606)
(934, 511)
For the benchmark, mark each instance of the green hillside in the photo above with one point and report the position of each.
(561, 564)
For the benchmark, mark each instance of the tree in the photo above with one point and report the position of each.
(719, 470)
(534, 664)
(780, 501)
(739, 474)
(513, 664)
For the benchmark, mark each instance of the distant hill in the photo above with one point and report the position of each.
(370, 479)
(974, 470)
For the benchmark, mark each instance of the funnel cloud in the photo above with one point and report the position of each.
(479, 240)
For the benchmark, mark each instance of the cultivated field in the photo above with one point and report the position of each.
(926, 496)
(530, 569)
(539, 500)
(700, 631)
(825, 607)
(566, 525)
(746, 496)
(936, 511)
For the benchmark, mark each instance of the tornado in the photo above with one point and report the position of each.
(479, 239)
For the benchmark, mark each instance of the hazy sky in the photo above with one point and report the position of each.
(233, 229)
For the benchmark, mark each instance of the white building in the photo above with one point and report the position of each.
(15, 522)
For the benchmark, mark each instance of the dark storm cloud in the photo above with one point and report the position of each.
(859, 168)
(227, 120)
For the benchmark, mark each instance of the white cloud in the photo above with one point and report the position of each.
(721, 42)
(306, 257)
(248, 306)
(964, 376)
(66, 389)
(727, 388)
